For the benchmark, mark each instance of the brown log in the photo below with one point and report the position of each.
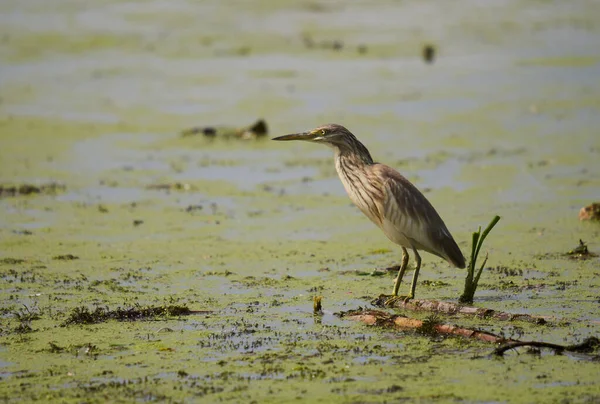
(455, 308)
(381, 318)
(384, 319)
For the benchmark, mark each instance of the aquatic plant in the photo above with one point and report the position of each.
(473, 277)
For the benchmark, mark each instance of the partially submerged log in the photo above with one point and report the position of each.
(383, 319)
(455, 308)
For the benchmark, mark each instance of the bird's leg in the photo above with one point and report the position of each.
(413, 284)
(403, 265)
(401, 271)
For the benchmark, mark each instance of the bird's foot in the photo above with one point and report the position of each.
(393, 300)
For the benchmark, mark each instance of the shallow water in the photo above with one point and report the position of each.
(94, 97)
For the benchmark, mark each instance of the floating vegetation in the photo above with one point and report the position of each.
(506, 271)
(435, 284)
(336, 45)
(23, 329)
(29, 189)
(581, 252)
(11, 261)
(65, 257)
(54, 347)
(83, 315)
(176, 186)
(429, 325)
(25, 315)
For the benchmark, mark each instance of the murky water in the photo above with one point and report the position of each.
(94, 96)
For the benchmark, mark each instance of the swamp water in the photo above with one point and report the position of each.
(504, 121)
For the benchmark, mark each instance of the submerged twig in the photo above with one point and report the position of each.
(588, 345)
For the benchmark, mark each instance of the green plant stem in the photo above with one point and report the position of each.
(472, 278)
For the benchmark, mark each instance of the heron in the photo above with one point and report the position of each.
(388, 199)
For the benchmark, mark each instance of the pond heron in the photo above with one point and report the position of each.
(387, 198)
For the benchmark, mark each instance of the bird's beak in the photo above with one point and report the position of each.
(297, 136)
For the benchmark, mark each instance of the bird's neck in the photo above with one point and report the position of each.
(349, 161)
(355, 154)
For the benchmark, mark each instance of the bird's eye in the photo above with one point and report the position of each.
(323, 132)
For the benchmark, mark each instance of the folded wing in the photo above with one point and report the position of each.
(410, 220)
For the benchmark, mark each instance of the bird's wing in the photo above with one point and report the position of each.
(407, 213)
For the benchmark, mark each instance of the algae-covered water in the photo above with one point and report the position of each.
(93, 98)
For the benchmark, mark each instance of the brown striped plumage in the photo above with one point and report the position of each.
(392, 202)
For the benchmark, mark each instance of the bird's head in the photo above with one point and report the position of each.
(330, 134)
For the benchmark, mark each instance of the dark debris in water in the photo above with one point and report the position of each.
(581, 252)
(83, 315)
(23, 232)
(336, 45)
(428, 53)
(11, 261)
(590, 212)
(506, 271)
(23, 329)
(193, 208)
(589, 345)
(176, 186)
(256, 130)
(54, 347)
(435, 284)
(374, 272)
(65, 257)
(29, 189)
(318, 305)
(429, 324)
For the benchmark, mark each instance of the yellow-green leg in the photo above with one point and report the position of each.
(401, 271)
(413, 284)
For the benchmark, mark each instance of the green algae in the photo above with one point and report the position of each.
(513, 134)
